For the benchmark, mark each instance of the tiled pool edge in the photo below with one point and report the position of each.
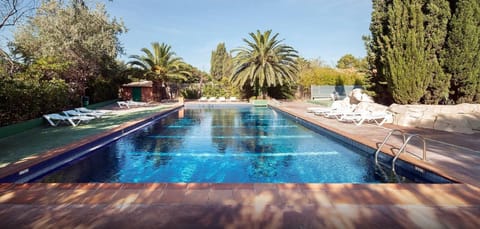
(22, 170)
(409, 166)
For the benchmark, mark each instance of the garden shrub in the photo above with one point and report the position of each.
(24, 99)
(190, 93)
(101, 89)
(219, 88)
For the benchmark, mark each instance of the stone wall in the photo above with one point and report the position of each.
(461, 118)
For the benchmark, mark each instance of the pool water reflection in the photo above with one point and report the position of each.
(229, 145)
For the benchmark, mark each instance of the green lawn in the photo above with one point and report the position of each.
(42, 139)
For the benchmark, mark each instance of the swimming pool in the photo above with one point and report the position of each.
(222, 145)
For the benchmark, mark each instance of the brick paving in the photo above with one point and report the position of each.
(204, 205)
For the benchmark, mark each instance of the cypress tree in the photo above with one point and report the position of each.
(437, 15)
(376, 83)
(404, 51)
(462, 58)
(220, 62)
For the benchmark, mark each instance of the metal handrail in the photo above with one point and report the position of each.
(386, 139)
(424, 156)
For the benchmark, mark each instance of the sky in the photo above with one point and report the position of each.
(317, 29)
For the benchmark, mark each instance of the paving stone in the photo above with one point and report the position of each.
(221, 197)
(125, 197)
(196, 196)
(173, 196)
(150, 197)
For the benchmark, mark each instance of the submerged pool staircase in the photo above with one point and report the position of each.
(406, 139)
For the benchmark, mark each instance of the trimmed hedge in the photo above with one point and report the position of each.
(25, 99)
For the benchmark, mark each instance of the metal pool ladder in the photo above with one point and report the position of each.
(406, 139)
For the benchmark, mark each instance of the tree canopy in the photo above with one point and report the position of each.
(348, 61)
(220, 62)
(264, 62)
(425, 51)
(63, 51)
(437, 14)
(84, 39)
(160, 65)
(462, 55)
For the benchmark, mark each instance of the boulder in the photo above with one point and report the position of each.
(407, 115)
(453, 123)
(356, 96)
(473, 120)
(461, 118)
(466, 108)
(426, 121)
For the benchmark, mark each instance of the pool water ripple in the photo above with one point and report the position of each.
(228, 145)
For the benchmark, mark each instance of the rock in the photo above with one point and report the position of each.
(356, 96)
(407, 115)
(398, 109)
(473, 120)
(453, 123)
(466, 108)
(426, 121)
(461, 118)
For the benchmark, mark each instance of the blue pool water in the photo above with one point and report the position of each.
(226, 145)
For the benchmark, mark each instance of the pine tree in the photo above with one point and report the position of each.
(462, 58)
(404, 52)
(437, 15)
(220, 62)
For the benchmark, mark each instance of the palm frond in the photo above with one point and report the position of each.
(161, 63)
(265, 61)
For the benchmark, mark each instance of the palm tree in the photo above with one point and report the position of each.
(265, 62)
(161, 65)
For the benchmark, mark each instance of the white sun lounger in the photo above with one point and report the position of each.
(130, 103)
(336, 106)
(367, 112)
(72, 113)
(123, 104)
(337, 112)
(86, 110)
(212, 99)
(203, 99)
(56, 119)
(318, 109)
(135, 103)
(221, 99)
(359, 118)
